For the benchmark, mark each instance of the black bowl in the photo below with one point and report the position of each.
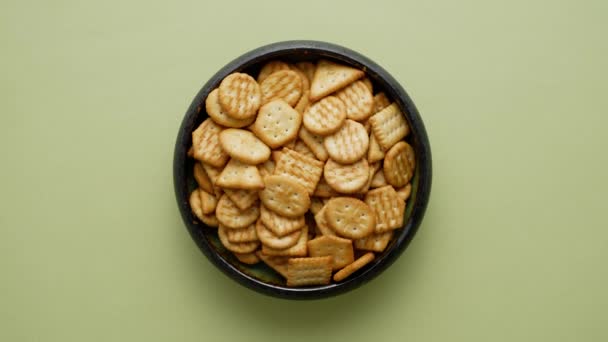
(259, 277)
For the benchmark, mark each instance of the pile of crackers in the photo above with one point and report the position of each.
(304, 169)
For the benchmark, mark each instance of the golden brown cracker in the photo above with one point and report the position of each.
(239, 247)
(380, 102)
(309, 271)
(277, 123)
(314, 142)
(270, 68)
(308, 68)
(368, 83)
(355, 266)
(303, 169)
(341, 250)
(217, 113)
(278, 224)
(303, 149)
(389, 126)
(267, 168)
(208, 202)
(247, 258)
(201, 177)
(378, 180)
(303, 103)
(375, 152)
(229, 215)
(277, 263)
(405, 192)
(283, 84)
(399, 164)
(321, 220)
(244, 146)
(324, 190)
(358, 99)
(350, 217)
(238, 175)
(387, 206)
(240, 96)
(285, 196)
(374, 242)
(270, 239)
(330, 77)
(247, 234)
(206, 143)
(316, 204)
(210, 220)
(346, 179)
(195, 203)
(326, 116)
(297, 250)
(243, 199)
(348, 144)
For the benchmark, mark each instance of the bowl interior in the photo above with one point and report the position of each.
(261, 277)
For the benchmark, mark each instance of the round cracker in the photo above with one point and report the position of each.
(230, 216)
(278, 224)
(217, 113)
(247, 258)
(195, 204)
(346, 179)
(244, 146)
(350, 217)
(358, 99)
(277, 123)
(239, 247)
(283, 84)
(240, 96)
(348, 144)
(270, 68)
(285, 196)
(326, 116)
(399, 164)
(210, 220)
(268, 238)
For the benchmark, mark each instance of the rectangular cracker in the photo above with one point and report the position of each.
(341, 250)
(243, 199)
(374, 242)
(309, 271)
(355, 266)
(389, 126)
(297, 250)
(277, 263)
(387, 206)
(314, 142)
(305, 170)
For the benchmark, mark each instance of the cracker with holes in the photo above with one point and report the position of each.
(355, 266)
(330, 77)
(303, 169)
(244, 146)
(297, 250)
(270, 68)
(389, 126)
(387, 206)
(376, 242)
(206, 144)
(277, 123)
(285, 196)
(229, 215)
(270, 239)
(238, 175)
(346, 179)
(240, 96)
(348, 144)
(358, 99)
(350, 217)
(399, 164)
(247, 234)
(314, 143)
(236, 247)
(217, 113)
(284, 84)
(341, 250)
(325, 117)
(309, 271)
(280, 225)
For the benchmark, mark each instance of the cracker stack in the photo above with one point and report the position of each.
(310, 139)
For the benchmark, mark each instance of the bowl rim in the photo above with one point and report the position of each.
(397, 93)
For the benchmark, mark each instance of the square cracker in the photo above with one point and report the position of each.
(341, 250)
(303, 169)
(387, 206)
(309, 271)
(297, 250)
(389, 126)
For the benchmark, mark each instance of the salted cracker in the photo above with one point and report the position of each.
(206, 143)
(348, 144)
(389, 126)
(325, 116)
(283, 84)
(387, 207)
(348, 178)
(277, 123)
(399, 164)
(219, 115)
(301, 168)
(240, 96)
(285, 196)
(309, 271)
(341, 250)
(358, 99)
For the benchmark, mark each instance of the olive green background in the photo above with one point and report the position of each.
(515, 241)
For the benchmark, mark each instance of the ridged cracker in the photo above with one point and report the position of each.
(280, 225)
(322, 224)
(247, 258)
(378, 180)
(247, 234)
(326, 116)
(350, 217)
(309, 271)
(283, 84)
(399, 164)
(324, 190)
(372, 171)
(303, 103)
(206, 143)
(308, 68)
(270, 68)
(346, 179)
(303, 78)
(355, 266)
(405, 192)
(358, 99)
(330, 77)
(240, 247)
(208, 202)
(297, 250)
(201, 177)
(244, 146)
(341, 250)
(348, 144)
(195, 203)
(314, 142)
(303, 169)
(285, 196)
(229, 215)
(243, 199)
(376, 242)
(238, 175)
(277, 123)
(380, 102)
(389, 126)
(217, 113)
(375, 152)
(303, 149)
(368, 84)
(240, 96)
(388, 208)
(277, 263)
(268, 238)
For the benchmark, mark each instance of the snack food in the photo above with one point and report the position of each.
(303, 169)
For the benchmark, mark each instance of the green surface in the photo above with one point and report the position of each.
(515, 242)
